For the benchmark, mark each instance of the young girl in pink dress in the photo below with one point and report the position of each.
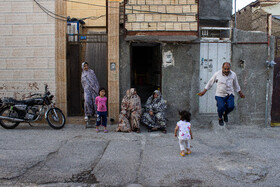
(101, 102)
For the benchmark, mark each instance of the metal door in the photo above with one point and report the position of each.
(74, 96)
(212, 56)
(96, 56)
(275, 110)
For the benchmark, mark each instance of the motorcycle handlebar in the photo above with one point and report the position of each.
(35, 94)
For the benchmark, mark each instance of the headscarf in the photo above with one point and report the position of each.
(89, 79)
(135, 101)
(125, 102)
(83, 64)
(156, 104)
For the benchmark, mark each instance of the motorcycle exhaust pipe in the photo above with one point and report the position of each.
(12, 119)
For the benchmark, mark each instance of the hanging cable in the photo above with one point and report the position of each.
(64, 18)
(144, 11)
(50, 13)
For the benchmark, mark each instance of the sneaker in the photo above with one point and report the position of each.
(226, 118)
(221, 122)
(86, 118)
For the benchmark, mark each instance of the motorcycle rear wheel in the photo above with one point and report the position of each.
(7, 112)
(55, 118)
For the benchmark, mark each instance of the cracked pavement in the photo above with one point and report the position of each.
(233, 155)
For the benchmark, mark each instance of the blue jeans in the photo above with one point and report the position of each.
(224, 104)
(101, 117)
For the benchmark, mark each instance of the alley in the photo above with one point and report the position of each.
(234, 155)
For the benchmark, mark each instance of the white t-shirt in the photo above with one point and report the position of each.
(184, 130)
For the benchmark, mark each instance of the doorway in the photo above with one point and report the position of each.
(74, 95)
(275, 110)
(145, 69)
(94, 51)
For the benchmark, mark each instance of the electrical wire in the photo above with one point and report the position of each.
(93, 17)
(64, 18)
(50, 13)
(145, 11)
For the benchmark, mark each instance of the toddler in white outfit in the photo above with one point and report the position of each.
(185, 132)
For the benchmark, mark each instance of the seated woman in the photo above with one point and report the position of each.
(129, 119)
(154, 113)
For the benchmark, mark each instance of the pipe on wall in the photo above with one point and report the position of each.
(269, 24)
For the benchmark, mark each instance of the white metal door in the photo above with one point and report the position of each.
(212, 57)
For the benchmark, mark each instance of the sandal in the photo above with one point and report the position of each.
(138, 131)
(182, 154)
(105, 131)
(164, 131)
(188, 152)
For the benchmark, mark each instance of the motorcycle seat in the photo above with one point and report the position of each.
(12, 100)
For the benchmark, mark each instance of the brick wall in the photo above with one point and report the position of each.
(254, 18)
(167, 20)
(244, 19)
(27, 48)
(259, 20)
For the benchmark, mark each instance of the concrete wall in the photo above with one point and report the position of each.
(215, 9)
(252, 78)
(124, 65)
(180, 82)
(27, 47)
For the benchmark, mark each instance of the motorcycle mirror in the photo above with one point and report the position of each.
(46, 87)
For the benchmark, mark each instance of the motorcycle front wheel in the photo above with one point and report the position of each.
(7, 112)
(55, 118)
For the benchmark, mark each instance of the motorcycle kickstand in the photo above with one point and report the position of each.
(30, 124)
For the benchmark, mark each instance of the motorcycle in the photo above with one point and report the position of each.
(13, 112)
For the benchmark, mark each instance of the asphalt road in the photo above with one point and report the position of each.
(234, 155)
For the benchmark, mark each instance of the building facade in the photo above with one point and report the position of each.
(181, 64)
(171, 45)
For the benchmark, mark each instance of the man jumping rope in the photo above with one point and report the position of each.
(227, 83)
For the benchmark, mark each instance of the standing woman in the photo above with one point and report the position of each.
(91, 87)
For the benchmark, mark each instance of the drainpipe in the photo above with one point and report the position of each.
(269, 23)
(235, 14)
